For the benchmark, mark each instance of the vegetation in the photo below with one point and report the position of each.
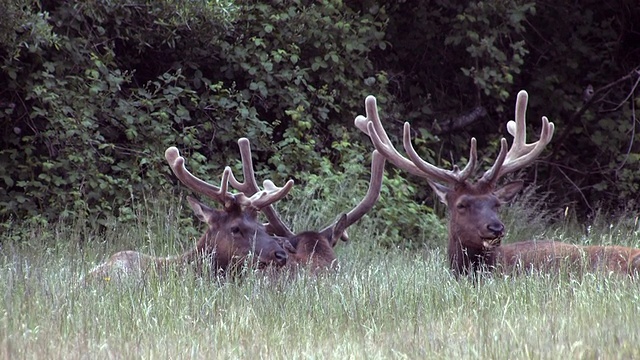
(380, 304)
(92, 93)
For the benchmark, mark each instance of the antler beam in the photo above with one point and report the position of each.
(372, 126)
(520, 155)
(370, 199)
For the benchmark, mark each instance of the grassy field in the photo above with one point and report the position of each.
(391, 304)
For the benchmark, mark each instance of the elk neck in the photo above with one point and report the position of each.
(465, 260)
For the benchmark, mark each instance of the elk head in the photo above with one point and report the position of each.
(234, 231)
(475, 228)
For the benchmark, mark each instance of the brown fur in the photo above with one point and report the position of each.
(233, 235)
(553, 255)
(474, 223)
(314, 250)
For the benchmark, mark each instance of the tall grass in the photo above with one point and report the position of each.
(393, 304)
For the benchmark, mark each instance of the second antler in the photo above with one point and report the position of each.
(277, 226)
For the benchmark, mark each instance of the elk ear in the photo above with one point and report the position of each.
(507, 192)
(202, 211)
(440, 190)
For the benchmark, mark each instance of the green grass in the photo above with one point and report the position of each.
(391, 304)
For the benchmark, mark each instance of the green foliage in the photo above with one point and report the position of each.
(595, 145)
(89, 108)
(448, 57)
(93, 93)
(495, 54)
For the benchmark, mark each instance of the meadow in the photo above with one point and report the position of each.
(380, 304)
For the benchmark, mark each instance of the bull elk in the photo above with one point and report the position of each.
(475, 229)
(313, 249)
(234, 233)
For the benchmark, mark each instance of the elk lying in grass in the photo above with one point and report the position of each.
(313, 249)
(234, 233)
(475, 228)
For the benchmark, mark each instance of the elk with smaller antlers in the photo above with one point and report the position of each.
(234, 233)
(312, 249)
(475, 228)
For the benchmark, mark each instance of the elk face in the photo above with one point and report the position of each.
(474, 213)
(235, 237)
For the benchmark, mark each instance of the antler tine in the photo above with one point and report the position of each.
(176, 162)
(493, 174)
(373, 192)
(472, 162)
(372, 126)
(250, 188)
(268, 196)
(521, 153)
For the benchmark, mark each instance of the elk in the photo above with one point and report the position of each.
(475, 229)
(233, 239)
(234, 232)
(313, 249)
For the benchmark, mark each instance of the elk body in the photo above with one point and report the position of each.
(475, 228)
(232, 236)
(235, 237)
(554, 255)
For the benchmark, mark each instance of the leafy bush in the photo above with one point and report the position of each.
(91, 106)
(94, 92)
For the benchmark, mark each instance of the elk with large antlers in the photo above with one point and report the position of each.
(234, 233)
(310, 248)
(475, 229)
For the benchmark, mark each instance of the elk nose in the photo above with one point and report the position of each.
(281, 257)
(496, 228)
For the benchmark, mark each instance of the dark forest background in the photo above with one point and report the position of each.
(93, 92)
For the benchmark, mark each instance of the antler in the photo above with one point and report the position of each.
(521, 153)
(372, 126)
(257, 199)
(250, 186)
(369, 200)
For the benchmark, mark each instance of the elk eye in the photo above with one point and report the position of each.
(235, 230)
(461, 205)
